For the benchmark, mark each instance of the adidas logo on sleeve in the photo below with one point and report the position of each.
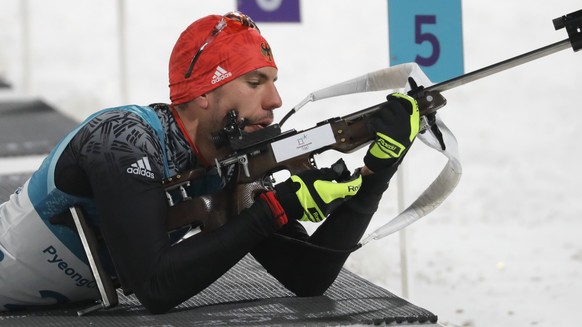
(141, 167)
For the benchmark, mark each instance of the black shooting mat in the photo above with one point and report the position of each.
(30, 127)
(248, 296)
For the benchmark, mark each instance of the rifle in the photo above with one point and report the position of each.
(260, 154)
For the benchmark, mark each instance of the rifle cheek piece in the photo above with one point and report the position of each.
(233, 129)
(233, 134)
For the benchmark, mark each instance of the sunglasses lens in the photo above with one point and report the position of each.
(233, 17)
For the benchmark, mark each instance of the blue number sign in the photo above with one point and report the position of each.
(428, 32)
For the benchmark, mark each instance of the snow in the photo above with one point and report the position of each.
(503, 250)
(20, 165)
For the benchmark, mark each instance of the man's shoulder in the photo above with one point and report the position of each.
(129, 116)
(125, 123)
(121, 112)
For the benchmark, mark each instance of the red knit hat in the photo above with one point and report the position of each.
(225, 48)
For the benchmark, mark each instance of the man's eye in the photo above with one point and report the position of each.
(254, 83)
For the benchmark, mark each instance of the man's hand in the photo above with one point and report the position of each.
(312, 195)
(396, 125)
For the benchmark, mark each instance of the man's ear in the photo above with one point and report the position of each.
(201, 101)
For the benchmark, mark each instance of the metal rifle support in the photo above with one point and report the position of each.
(104, 283)
(573, 24)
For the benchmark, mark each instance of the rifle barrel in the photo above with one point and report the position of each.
(500, 66)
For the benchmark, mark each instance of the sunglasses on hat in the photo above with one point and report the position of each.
(233, 17)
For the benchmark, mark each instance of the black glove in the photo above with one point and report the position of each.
(396, 124)
(312, 195)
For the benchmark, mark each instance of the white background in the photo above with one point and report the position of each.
(503, 250)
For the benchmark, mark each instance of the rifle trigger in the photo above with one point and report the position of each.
(244, 161)
(183, 192)
(219, 170)
(170, 200)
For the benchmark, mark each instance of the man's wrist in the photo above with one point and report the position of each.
(365, 171)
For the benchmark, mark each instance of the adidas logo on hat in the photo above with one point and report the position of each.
(141, 167)
(220, 74)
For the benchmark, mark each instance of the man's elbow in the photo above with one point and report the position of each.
(309, 290)
(155, 306)
(156, 303)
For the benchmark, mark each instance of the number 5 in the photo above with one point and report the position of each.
(420, 37)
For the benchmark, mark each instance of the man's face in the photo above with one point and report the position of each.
(253, 96)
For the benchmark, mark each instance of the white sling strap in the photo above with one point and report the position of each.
(435, 193)
(396, 79)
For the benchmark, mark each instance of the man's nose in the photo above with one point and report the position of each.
(273, 100)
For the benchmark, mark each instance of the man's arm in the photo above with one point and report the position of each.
(309, 270)
(133, 209)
